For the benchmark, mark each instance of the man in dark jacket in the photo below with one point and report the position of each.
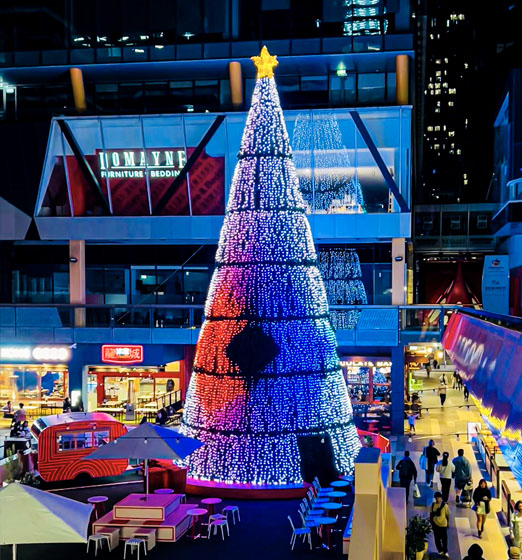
(462, 473)
(432, 456)
(407, 471)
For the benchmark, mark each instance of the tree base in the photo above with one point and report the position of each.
(245, 491)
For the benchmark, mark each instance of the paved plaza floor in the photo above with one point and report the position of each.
(447, 426)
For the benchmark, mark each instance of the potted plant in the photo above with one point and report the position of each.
(417, 532)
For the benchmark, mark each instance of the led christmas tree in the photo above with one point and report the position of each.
(323, 164)
(341, 272)
(266, 370)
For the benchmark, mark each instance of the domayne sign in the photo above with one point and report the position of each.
(154, 163)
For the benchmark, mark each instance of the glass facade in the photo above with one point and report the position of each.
(114, 25)
(137, 164)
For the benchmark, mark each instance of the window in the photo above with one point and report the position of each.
(455, 223)
(452, 91)
(75, 441)
(482, 221)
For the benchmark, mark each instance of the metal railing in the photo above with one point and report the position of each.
(404, 318)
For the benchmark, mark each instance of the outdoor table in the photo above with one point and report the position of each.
(336, 495)
(331, 506)
(339, 484)
(326, 522)
(195, 514)
(211, 502)
(99, 505)
(164, 491)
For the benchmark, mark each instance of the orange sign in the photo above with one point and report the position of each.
(122, 354)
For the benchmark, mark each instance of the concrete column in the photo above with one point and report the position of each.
(236, 83)
(397, 390)
(77, 278)
(401, 79)
(398, 271)
(80, 104)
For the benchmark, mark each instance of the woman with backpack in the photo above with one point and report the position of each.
(439, 517)
(445, 470)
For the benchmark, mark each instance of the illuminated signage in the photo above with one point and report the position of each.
(154, 163)
(122, 354)
(366, 364)
(36, 353)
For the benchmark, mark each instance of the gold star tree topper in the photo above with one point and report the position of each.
(265, 64)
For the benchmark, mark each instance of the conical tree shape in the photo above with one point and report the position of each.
(341, 272)
(319, 150)
(266, 369)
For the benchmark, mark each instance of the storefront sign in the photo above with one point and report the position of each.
(36, 353)
(122, 354)
(495, 284)
(157, 164)
(365, 363)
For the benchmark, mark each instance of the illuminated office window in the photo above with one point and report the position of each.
(365, 17)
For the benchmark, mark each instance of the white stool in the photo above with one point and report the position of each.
(232, 509)
(134, 544)
(218, 523)
(98, 541)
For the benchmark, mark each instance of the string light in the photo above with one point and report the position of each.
(341, 271)
(266, 370)
(323, 165)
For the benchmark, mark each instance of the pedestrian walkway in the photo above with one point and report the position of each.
(447, 426)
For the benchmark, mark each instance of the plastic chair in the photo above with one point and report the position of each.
(300, 532)
(98, 541)
(134, 544)
(233, 510)
(221, 523)
(310, 522)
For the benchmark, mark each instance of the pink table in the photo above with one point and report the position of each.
(196, 513)
(99, 505)
(211, 502)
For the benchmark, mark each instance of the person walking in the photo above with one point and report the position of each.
(411, 422)
(442, 393)
(428, 370)
(516, 525)
(460, 383)
(454, 382)
(445, 470)
(475, 552)
(439, 517)
(481, 500)
(466, 393)
(407, 471)
(462, 473)
(432, 456)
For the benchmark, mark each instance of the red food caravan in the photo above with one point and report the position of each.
(65, 439)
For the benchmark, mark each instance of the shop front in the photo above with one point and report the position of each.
(35, 375)
(126, 381)
(368, 379)
(421, 359)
